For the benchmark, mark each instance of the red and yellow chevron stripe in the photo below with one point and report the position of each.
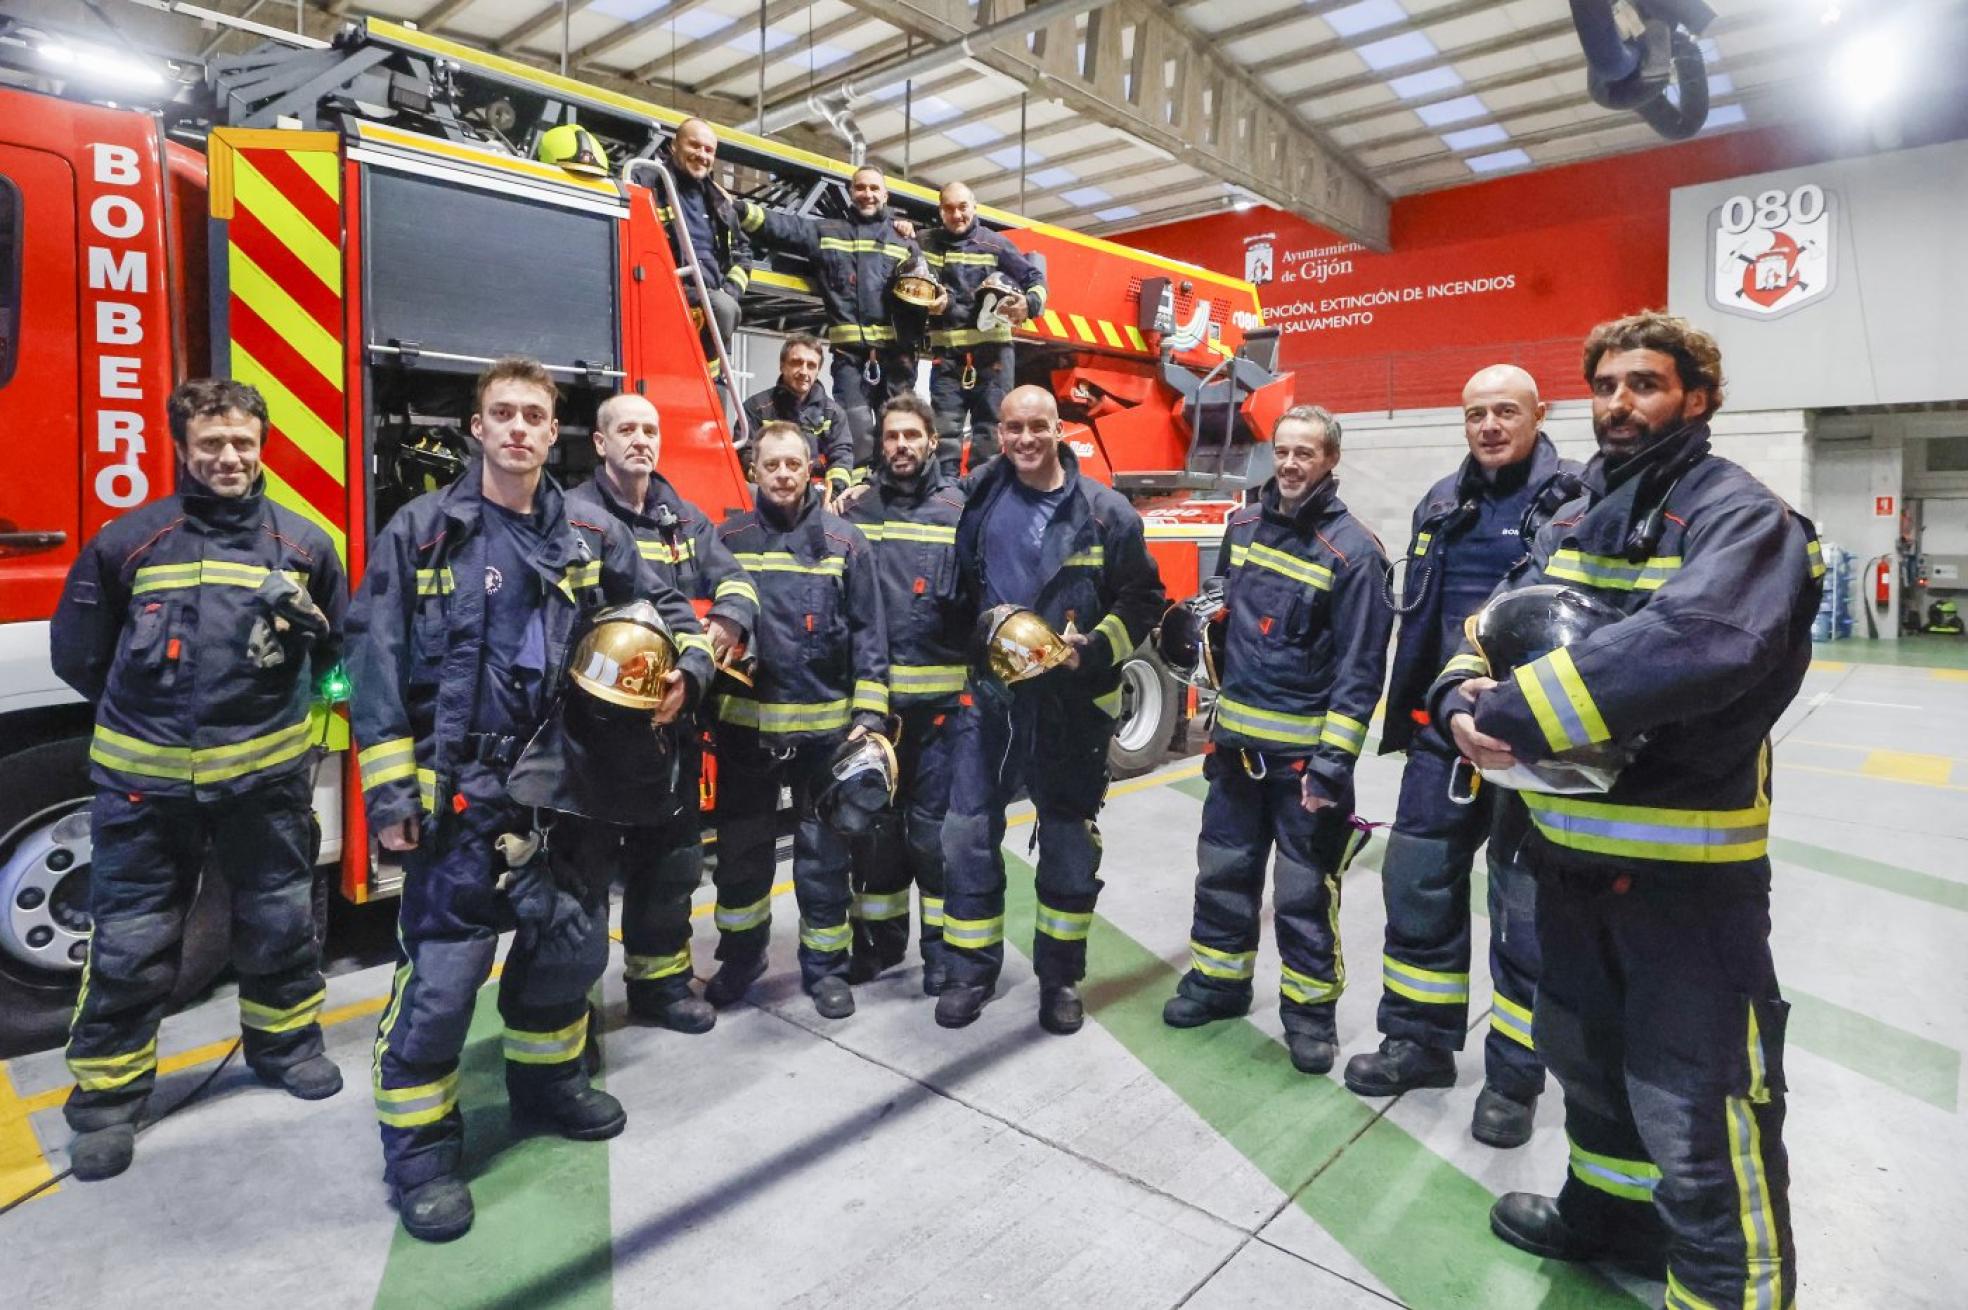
(279, 195)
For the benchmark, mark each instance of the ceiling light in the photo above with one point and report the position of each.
(1867, 68)
(100, 65)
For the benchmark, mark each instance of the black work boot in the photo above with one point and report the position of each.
(936, 970)
(1532, 1223)
(1400, 1066)
(313, 1079)
(1502, 1121)
(833, 998)
(863, 968)
(679, 1011)
(1311, 1053)
(1185, 1011)
(727, 987)
(102, 1152)
(1060, 1011)
(436, 1211)
(959, 1004)
(571, 1108)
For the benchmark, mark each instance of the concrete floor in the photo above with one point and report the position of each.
(880, 1161)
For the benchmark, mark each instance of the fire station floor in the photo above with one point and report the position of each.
(881, 1161)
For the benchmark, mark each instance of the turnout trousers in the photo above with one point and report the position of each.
(749, 778)
(1659, 1015)
(148, 854)
(1425, 877)
(1053, 741)
(896, 374)
(1244, 819)
(966, 386)
(905, 845)
(454, 908)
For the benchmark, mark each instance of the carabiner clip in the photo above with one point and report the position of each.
(1258, 774)
(1464, 782)
(871, 372)
(968, 378)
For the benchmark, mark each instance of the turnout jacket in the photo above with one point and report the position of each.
(730, 251)
(1099, 575)
(913, 526)
(1440, 518)
(1306, 641)
(822, 654)
(854, 260)
(1715, 645)
(156, 627)
(417, 631)
(829, 440)
(681, 548)
(963, 260)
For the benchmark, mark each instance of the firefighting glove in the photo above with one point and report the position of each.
(288, 624)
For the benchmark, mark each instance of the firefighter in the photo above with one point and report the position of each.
(458, 635)
(821, 679)
(856, 260)
(911, 517)
(798, 398)
(989, 287)
(660, 864)
(709, 218)
(1303, 654)
(1467, 532)
(1035, 533)
(199, 626)
(1658, 1009)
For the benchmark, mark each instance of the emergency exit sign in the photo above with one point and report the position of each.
(1882, 507)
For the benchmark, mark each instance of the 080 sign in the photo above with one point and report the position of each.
(1772, 253)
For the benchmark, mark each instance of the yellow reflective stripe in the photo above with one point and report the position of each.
(1814, 555)
(974, 258)
(1426, 986)
(664, 553)
(106, 1073)
(556, 1047)
(932, 911)
(1512, 1020)
(781, 561)
(650, 968)
(736, 587)
(738, 277)
(1475, 664)
(435, 582)
(1682, 836)
(204, 573)
(1109, 703)
(870, 696)
(974, 934)
(1064, 925)
(1559, 701)
(694, 641)
(1269, 725)
(840, 476)
(766, 716)
(1763, 1273)
(826, 940)
(1611, 573)
(584, 575)
(1680, 1298)
(1421, 543)
(387, 761)
(853, 333)
(926, 679)
(937, 534)
(958, 338)
(413, 1107)
(1307, 990)
(879, 906)
(203, 764)
(1316, 576)
(427, 789)
(751, 217)
(1632, 1180)
(1114, 628)
(1345, 733)
(743, 918)
(1230, 966)
(1092, 557)
(267, 1019)
(863, 246)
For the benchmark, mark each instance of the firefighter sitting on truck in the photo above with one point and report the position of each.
(199, 626)
(859, 261)
(1303, 652)
(910, 515)
(709, 218)
(1040, 546)
(799, 398)
(821, 680)
(660, 863)
(458, 635)
(989, 287)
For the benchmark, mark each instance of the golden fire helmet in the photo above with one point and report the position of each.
(915, 283)
(1013, 644)
(625, 655)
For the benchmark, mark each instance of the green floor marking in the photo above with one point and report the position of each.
(1907, 652)
(1197, 787)
(543, 1235)
(1872, 873)
(1904, 1061)
(1419, 1224)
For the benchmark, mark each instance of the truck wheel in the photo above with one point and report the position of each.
(44, 898)
(1150, 702)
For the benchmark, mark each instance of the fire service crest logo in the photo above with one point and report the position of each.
(1258, 259)
(1772, 253)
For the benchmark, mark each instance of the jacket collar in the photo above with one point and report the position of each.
(1543, 462)
(463, 503)
(785, 402)
(892, 490)
(1657, 465)
(206, 508)
(1000, 473)
(1320, 502)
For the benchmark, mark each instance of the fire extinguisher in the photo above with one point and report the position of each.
(1881, 568)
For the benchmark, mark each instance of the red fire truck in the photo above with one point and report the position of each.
(356, 230)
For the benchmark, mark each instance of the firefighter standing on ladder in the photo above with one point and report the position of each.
(710, 218)
(192, 624)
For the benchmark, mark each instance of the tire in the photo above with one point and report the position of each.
(44, 874)
(1151, 704)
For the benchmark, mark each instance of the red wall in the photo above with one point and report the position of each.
(1519, 268)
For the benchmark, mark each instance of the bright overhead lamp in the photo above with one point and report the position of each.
(99, 65)
(1868, 68)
